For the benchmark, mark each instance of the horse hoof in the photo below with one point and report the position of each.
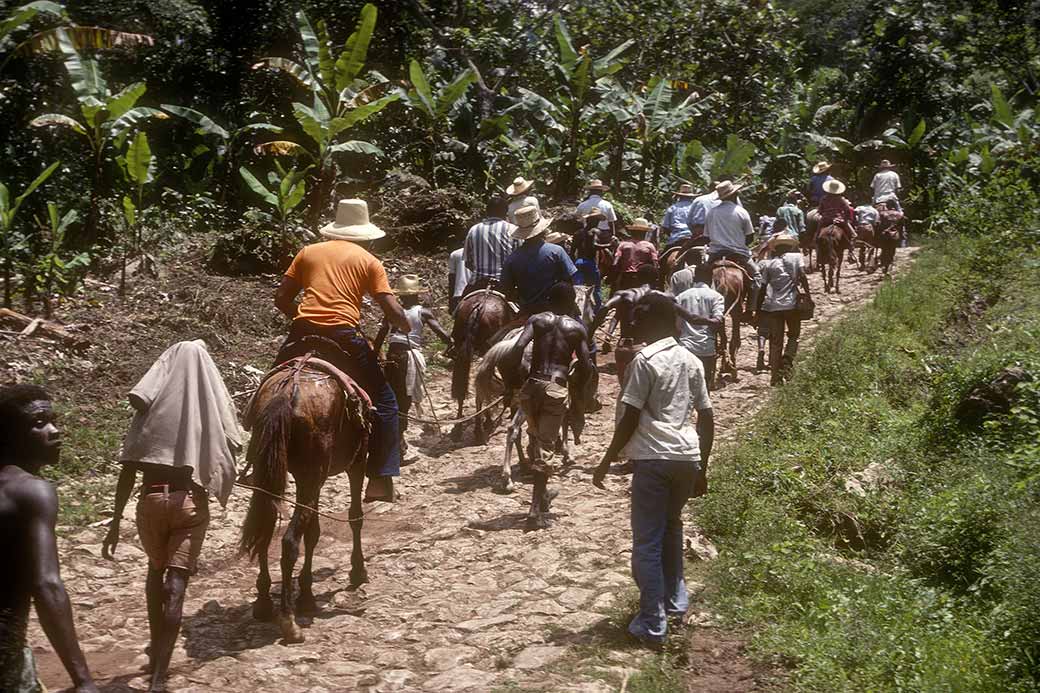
(507, 487)
(306, 605)
(358, 577)
(292, 634)
(536, 522)
(263, 609)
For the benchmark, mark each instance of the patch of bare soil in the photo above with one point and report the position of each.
(461, 598)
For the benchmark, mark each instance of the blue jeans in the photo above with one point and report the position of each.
(588, 275)
(660, 489)
(362, 364)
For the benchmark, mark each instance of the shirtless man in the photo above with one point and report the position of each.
(543, 397)
(29, 439)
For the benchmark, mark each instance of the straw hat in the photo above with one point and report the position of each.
(409, 285)
(557, 237)
(530, 223)
(726, 189)
(597, 184)
(782, 240)
(834, 187)
(685, 190)
(821, 167)
(352, 223)
(595, 213)
(640, 225)
(885, 163)
(519, 187)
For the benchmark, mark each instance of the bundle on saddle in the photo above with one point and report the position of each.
(681, 254)
(314, 359)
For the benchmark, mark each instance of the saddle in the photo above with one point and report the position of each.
(729, 263)
(487, 291)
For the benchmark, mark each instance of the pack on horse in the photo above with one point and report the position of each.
(867, 244)
(890, 225)
(478, 318)
(309, 419)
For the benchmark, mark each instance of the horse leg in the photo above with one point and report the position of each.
(512, 438)
(356, 518)
(734, 345)
(479, 433)
(456, 431)
(305, 604)
(837, 277)
(263, 607)
(291, 632)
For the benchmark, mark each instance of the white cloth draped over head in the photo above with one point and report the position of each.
(186, 418)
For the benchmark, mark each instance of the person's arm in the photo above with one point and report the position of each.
(601, 316)
(505, 281)
(510, 367)
(585, 365)
(391, 308)
(285, 296)
(438, 329)
(706, 433)
(622, 434)
(745, 221)
(693, 319)
(124, 487)
(468, 251)
(40, 508)
(384, 330)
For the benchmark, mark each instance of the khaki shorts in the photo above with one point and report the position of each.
(172, 526)
(544, 404)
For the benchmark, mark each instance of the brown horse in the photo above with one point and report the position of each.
(887, 242)
(478, 318)
(303, 424)
(729, 281)
(867, 247)
(807, 238)
(829, 246)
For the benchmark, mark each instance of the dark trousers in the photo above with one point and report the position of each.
(781, 357)
(709, 369)
(362, 364)
(397, 375)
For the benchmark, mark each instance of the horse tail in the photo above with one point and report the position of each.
(827, 247)
(269, 454)
(464, 352)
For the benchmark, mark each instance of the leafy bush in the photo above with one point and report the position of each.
(258, 246)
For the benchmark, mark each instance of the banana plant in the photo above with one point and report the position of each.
(8, 211)
(340, 99)
(53, 269)
(228, 141)
(288, 188)
(434, 108)
(22, 15)
(703, 166)
(138, 165)
(106, 118)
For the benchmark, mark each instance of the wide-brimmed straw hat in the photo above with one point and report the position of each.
(557, 237)
(885, 163)
(409, 285)
(352, 223)
(685, 190)
(594, 213)
(640, 225)
(530, 223)
(597, 184)
(727, 188)
(834, 187)
(821, 167)
(782, 240)
(519, 187)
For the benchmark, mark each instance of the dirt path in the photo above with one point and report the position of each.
(461, 598)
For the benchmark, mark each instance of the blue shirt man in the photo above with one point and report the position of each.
(675, 222)
(819, 177)
(532, 269)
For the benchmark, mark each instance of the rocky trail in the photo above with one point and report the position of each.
(461, 597)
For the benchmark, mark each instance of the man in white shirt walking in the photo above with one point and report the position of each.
(458, 278)
(595, 190)
(886, 185)
(665, 384)
(704, 302)
(728, 226)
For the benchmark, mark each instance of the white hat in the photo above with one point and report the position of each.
(782, 239)
(529, 223)
(409, 285)
(519, 187)
(640, 224)
(834, 187)
(727, 188)
(821, 167)
(352, 223)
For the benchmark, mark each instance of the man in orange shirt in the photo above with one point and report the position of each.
(632, 254)
(334, 276)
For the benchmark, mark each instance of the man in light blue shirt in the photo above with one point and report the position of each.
(697, 215)
(704, 302)
(675, 222)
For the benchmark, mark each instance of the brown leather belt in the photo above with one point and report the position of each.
(163, 488)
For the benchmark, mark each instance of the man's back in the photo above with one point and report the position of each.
(556, 339)
(534, 267)
(597, 202)
(704, 302)
(727, 227)
(885, 183)
(793, 215)
(631, 255)
(487, 246)
(335, 276)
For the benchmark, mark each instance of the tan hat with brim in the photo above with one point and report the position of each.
(782, 240)
(352, 223)
(834, 187)
(529, 223)
(821, 167)
(727, 189)
(685, 190)
(639, 225)
(409, 285)
(557, 237)
(597, 184)
(519, 187)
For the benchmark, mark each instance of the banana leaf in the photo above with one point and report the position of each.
(206, 124)
(294, 70)
(310, 43)
(48, 119)
(133, 118)
(140, 164)
(86, 77)
(357, 147)
(361, 113)
(452, 93)
(122, 102)
(280, 148)
(312, 124)
(258, 187)
(422, 88)
(568, 56)
(352, 60)
(81, 38)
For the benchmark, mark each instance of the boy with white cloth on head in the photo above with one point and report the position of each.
(183, 439)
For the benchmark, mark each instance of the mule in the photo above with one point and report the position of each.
(478, 318)
(829, 246)
(305, 425)
(887, 242)
(867, 244)
(728, 279)
(807, 238)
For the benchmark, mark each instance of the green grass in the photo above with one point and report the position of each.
(932, 581)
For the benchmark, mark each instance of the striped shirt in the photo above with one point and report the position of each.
(487, 246)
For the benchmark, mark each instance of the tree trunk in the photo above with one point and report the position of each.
(643, 165)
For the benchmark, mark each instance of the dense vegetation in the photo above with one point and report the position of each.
(246, 118)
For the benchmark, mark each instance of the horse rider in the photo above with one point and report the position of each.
(886, 185)
(488, 244)
(816, 181)
(459, 278)
(518, 197)
(632, 254)
(334, 276)
(183, 461)
(531, 270)
(584, 249)
(674, 222)
(557, 338)
(698, 212)
(791, 212)
(728, 226)
(866, 215)
(594, 200)
(407, 365)
(836, 210)
(783, 273)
